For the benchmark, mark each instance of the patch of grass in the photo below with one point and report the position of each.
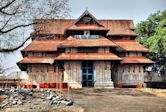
(157, 92)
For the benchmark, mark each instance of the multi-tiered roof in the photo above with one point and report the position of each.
(51, 35)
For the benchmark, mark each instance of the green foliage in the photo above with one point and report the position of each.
(147, 28)
(152, 33)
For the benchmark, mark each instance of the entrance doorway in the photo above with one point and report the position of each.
(87, 74)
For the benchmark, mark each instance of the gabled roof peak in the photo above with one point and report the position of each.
(85, 13)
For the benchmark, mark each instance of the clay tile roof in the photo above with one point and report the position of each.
(43, 45)
(87, 27)
(137, 59)
(58, 26)
(130, 45)
(88, 56)
(119, 27)
(52, 26)
(32, 60)
(73, 42)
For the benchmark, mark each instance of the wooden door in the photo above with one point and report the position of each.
(87, 74)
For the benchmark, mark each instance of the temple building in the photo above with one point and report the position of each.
(85, 52)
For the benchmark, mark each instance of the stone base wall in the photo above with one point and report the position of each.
(73, 73)
(104, 85)
(102, 74)
(44, 73)
(75, 85)
(128, 74)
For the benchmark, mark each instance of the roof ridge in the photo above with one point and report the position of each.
(97, 19)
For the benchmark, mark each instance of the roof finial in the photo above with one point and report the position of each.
(86, 8)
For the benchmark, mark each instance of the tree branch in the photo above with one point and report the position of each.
(6, 23)
(7, 5)
(19, 26)
(17, 15)
(13, 13)
(15, 48)
(10, 13)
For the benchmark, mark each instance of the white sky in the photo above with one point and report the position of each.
(136, 10)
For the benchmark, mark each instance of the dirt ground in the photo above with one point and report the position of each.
(118, 100)
(104, 100)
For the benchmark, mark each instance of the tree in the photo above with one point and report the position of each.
(16, 19)
(158, 41)
(152, 34)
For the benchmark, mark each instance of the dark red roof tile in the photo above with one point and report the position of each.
(43, 45)
(130, 45)
(32, 60)
(100, 42)
(59, 26)
(88, 56)
(137, 59)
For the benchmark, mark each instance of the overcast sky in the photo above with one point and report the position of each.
(136, 10)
